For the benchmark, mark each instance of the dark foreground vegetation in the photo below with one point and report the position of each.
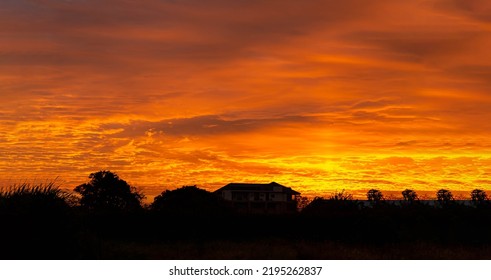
(104, 219)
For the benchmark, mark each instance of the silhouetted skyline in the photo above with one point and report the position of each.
(106, 220)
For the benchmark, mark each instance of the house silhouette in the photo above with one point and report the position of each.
(271, 198)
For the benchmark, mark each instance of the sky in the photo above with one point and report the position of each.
(317, 95)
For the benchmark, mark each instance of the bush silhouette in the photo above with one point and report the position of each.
(335, 205)
(106, 191)
(189, 201)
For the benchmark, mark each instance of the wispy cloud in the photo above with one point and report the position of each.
(322, 94)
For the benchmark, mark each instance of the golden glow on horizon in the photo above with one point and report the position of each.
(321, 96)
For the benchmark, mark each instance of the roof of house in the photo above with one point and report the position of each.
(256, 187)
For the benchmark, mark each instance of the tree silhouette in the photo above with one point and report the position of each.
(106, 191)
(342, 196)
(375, 195)
(478, 196)
(409, 195)
(444, 196)
(302, 202)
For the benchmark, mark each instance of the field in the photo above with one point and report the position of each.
(44, 223)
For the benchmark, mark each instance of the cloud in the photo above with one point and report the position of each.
(475, 9)
(215, 91)
(369, 104)
(201, 126)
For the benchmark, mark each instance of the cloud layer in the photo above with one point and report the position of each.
(321, 95)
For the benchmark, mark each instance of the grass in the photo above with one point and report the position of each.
(48, 190)
(36, 221)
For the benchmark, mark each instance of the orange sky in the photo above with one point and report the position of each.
(316, 95)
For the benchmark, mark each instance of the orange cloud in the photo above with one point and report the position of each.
(322, 96)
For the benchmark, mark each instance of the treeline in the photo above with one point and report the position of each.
(478, 197)
(105, 219)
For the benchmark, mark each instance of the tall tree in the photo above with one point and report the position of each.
(106, 191)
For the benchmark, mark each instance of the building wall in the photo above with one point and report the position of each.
(260, 202)
(278, 197)
(227, 195)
